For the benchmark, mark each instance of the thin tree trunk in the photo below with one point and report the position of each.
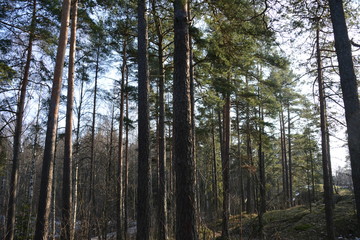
(91, 196)
(126, 163)
(328, 194)
(262, 208)
(10, 227)
(225, 157)
(41, 231)
(77, 148)
(214, 172)
(121, 147)
(66, 223)
(184, 160)
(53, 197)
(33, 168)
(143, 206)
(290, 159)
(162, 208)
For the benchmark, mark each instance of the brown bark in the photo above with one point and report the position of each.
(41, 231)
(66, 223)
(10, 227)
(184, 161)
(143, 206)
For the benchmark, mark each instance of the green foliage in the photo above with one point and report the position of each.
(6, 72)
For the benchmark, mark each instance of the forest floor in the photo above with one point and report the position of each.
(294, 223)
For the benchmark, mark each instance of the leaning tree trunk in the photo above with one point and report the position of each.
(143, 206)
(42, 221)
(350, 92)
(184, 161)
(66, 223)
(10, 227)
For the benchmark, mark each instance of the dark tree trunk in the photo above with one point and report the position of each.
(143, 206)
(42, 221)
(328, 194)
(66, 223)
(126, 163)
(241, 180)
(262, 179)
(162, 225)
(184, 161)
(350, 92)
(290, 159)
(225, 157)
(214, 172)
(285, 169)
(10, 227)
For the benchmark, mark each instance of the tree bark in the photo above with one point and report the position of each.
(42, 225)
(10, 227)
(143, 206)
(328, 194)
(184, 161)
(350, 92)
(66, 223)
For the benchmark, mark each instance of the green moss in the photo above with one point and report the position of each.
(303, 226)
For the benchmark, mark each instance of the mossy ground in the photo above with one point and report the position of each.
(294, 223)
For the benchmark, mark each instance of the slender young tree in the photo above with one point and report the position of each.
(42, 221)
(66, 223)
(184, 161)
(121, 147)
(10, 227)
(143, 205)
(350, 92)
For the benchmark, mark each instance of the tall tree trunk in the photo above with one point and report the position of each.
(328, 193)
(162, 226)
(225, 157)
(241, 182)
(126, 162)
(66, 223)
(91, 196)
(10, 227)
(53, 197)
(285, 170)
(41, 231)
(143, 206)
(162, 154)
(214, 172)
(184, 161)
(262, 179)
(34, 157)
(121, 147)
(76, 172)
(350, 92)
(290, 159)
